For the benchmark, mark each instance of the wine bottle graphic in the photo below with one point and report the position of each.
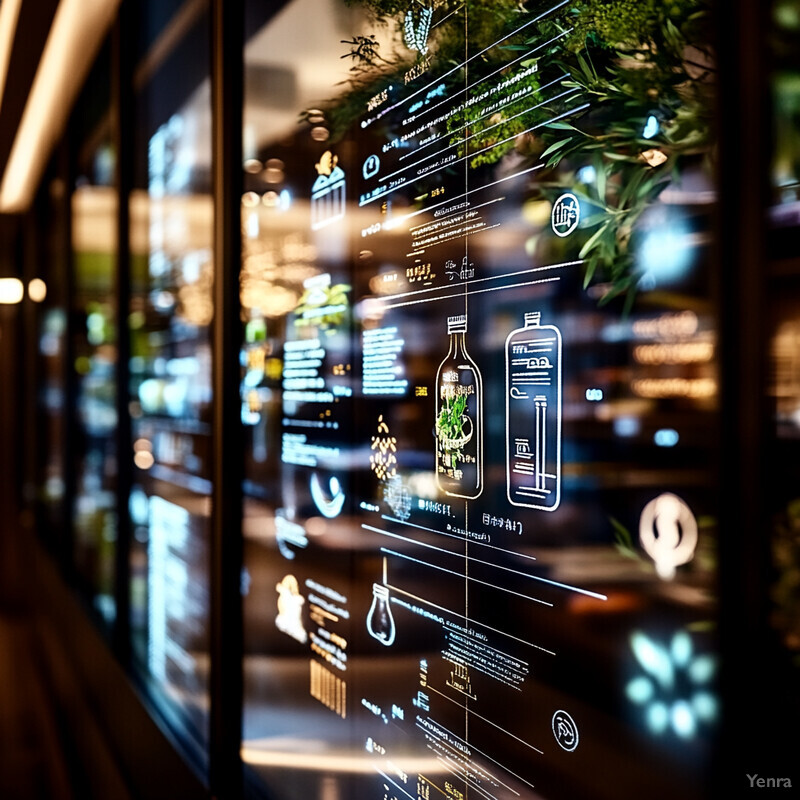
(459, 418)
(533, 415)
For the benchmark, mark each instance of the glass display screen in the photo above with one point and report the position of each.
(170, 366)
(480, 393)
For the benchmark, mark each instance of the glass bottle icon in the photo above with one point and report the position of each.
(459, 418)
(380, 622)
(533, 415)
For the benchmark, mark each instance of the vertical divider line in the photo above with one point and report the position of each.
(226, 680)
(122, 119)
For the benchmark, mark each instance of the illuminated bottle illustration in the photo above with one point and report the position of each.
(533, 415)
(459, 418)
(380, 622)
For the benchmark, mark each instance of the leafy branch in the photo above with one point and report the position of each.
(641, 70)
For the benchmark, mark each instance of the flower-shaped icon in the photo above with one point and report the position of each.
(675, 690)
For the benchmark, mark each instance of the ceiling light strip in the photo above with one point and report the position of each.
(75, 37)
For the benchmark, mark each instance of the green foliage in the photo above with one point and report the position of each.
(627, 23)
(373, 70)
(623, 541)
(631, 61)
(635, 62)
(450, 426)
(498, 136)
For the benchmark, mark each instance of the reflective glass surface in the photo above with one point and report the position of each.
(94, 314)
(170, 367)
(480, 393)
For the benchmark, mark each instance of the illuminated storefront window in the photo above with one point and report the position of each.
(94, 202)
(480, 397)
(171, 310)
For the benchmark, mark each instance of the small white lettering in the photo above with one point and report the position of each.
(768, 783)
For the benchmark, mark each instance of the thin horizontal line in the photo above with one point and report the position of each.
(455, 214)
(453, 535)
(450, 611)
(491, 278)
(494, 724)
(449, 100)
(465, 577)
(472, 747)
(472, 154)
(393, 223)
(471, 58)
(472, 135)
(449, 552)
(467, 292)
(558, 584)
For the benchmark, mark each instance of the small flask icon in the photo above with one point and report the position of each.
(380, 622)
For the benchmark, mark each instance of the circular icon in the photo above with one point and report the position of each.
(371, 167)
(565, 730)
(566, 215)
(668, 533)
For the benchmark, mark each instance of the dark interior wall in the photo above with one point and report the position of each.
(11, 444)
(113, 746)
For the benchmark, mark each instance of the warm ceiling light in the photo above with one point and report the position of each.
(37, 290)
(75, 36)
(9, 14)
(11, 290)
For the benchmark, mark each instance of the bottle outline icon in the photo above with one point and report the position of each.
(450, 388)
(533, 396)
(380, 622)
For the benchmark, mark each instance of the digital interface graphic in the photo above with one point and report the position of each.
(449, 469)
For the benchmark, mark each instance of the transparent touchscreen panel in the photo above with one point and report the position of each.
(480, 392)
(170, 366)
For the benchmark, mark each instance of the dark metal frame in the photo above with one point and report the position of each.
(122, 111)
(226, 546)
(758, 697)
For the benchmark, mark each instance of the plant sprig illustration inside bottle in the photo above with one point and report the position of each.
(459, 418)
(453, 427)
